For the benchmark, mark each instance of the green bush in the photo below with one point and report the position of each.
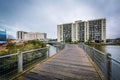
(37, 44)
(3, 52)
(10, 46)
(13, 48)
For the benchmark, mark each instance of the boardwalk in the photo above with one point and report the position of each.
(69, 64)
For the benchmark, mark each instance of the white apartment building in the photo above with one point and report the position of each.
(91, 30)
(21, 35)
(64, 32)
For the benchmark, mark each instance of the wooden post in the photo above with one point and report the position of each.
(20, 62)
(108, 66)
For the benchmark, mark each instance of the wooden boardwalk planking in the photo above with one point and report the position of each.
(70, 64)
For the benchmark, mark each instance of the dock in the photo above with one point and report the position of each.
(71, 63)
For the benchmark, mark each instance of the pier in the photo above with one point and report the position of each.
(71, 63)
(65, 62)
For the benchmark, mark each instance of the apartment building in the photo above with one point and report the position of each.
(91, 30)
(21, 35)
(97, 30)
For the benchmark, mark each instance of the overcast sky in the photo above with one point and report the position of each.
(44, 15)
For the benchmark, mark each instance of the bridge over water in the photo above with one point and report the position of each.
(69, 64)
(72, 62)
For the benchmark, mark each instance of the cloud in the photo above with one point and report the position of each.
(44, 15)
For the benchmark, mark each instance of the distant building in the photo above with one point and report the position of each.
(117, 40)
(97, 30)
(21, 35)
(110, 40)
(91, 30)
(10, 36)
(64, 32)
(3, 37)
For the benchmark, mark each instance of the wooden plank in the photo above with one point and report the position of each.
(70, 64)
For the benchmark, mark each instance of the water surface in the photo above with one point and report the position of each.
(114, 50)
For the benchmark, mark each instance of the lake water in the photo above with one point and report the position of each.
(114, 50)
(52, 50)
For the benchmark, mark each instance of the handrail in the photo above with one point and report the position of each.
(97, 50)
(115, 60)
(33, 50)
(111, 66)
(8, 55)
(13, 64)
(101, 63)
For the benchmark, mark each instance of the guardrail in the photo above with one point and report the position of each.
(13, 64)
(109, 67)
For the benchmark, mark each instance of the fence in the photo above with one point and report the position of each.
(109, 67)
(13, 64)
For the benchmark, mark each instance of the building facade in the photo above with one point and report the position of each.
(84, 31)
(97, 30)
(64, 32)
(21, 35)
(3, 37)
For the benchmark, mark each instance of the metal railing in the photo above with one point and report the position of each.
(115, 69)
(109, 67)
(59, 46)
(13, 64)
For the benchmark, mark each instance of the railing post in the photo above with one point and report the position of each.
(48, 54)
(84, 48)
(20, 61)
(108, 66)
(93, 52)
(57, 49)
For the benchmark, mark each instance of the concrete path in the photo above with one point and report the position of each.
(70, 64)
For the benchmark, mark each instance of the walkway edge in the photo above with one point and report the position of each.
(94, 65)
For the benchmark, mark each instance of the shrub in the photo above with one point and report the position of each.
(13, 48)
(10, 46)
